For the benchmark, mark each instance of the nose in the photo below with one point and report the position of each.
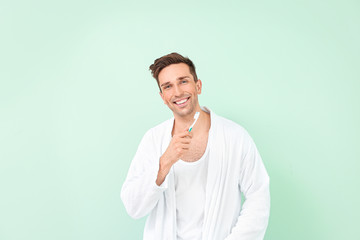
(177, 91)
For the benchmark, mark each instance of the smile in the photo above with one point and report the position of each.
(182, 102)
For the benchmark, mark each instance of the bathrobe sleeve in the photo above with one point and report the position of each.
(140, 193)
(254, 184)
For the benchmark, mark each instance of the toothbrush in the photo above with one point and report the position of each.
(196, 116)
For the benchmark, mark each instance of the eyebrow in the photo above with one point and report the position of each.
(179, 78)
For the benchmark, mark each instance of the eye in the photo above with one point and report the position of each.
(184, 81)
(167, 86)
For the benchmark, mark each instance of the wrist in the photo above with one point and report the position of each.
(164, 166)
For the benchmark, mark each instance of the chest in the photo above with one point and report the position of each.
(196, 149)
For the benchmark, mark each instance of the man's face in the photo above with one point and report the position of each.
(179, 90)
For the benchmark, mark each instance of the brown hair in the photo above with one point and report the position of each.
(172, 58)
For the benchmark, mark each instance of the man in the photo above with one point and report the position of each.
(190, 182)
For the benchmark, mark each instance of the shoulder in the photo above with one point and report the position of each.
(160, 130)
(230, 127)
(234, 135)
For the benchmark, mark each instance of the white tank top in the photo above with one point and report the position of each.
(190, 184)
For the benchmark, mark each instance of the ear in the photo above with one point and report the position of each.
(162, 96)
(198, 86)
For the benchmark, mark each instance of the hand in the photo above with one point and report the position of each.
(179, 145)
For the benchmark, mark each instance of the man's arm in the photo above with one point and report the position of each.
(178, 146)
(146, 179)
(139, 192)
(254, 184)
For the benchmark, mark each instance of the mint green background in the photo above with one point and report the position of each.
(76, 97)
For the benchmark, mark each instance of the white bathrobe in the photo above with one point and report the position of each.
(235, 166)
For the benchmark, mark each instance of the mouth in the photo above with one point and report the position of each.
(181, 102)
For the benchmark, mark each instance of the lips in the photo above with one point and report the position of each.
(181, 102)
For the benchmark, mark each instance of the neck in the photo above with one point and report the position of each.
(184, 122)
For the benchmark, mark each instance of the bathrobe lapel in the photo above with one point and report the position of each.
(214, 179)
(169, 229)
(213, 186)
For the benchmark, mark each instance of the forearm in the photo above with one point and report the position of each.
(178, 146)
(254, 216)
(254, 184)
(142, 189)
(164, 168)
(140, 193)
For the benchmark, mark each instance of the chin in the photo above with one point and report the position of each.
(184, 112)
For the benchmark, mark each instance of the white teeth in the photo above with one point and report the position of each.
(182, 101)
